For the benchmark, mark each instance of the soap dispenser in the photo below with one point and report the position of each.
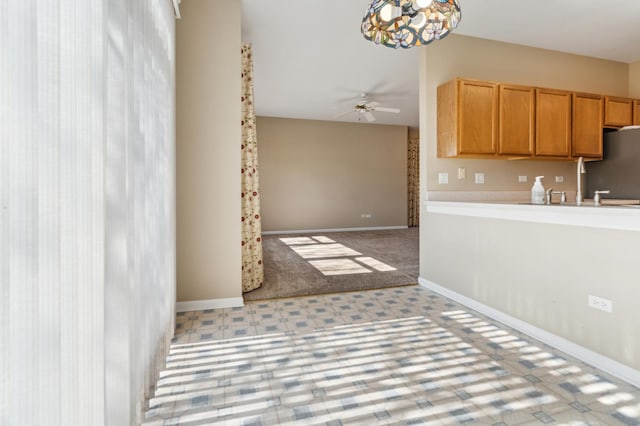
(537, 191)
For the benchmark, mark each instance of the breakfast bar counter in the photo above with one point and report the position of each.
(540, 265)
(621, 217)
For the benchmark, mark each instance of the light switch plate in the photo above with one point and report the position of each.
(479, 178)
(462, 173)
(559, 179)
(522, 179)
(443, 178)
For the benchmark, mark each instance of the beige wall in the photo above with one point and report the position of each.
(519, 268)
(460, 56)
(634, 80)
(542, 274)
(325, 175)
(208, 67)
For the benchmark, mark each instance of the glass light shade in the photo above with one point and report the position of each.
(412, 22)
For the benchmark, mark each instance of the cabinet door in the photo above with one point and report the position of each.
(618, 111)
(636, 113)
(553, 123)
(516, 123)
(587, 125)
(477, 103)
(447, 120)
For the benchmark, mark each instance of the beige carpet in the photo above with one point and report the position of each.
(306, 264)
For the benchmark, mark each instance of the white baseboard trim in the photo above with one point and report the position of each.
(201, 305)
(595, 359)
(315, 231)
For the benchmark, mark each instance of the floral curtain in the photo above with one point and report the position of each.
(252, 268)
(413, 172)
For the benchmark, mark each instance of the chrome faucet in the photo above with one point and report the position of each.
(563, 196)
(596, 197)
(550, 193)
(580, 171)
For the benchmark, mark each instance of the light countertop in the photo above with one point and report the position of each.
(619, 217)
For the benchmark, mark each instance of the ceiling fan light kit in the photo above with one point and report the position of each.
(407, 23)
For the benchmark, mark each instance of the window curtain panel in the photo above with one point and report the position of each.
(87, 208)
(413, 174)
(252, 268)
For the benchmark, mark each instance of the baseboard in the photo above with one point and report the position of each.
(201, 305)
(590, 357)
(315, 231)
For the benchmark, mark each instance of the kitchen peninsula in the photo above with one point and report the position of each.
(535, 267)
(517, 261)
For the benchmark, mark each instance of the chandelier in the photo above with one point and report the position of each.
(407, 23)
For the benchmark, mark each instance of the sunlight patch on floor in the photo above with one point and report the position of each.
(338, 267)
(333, 258)
(375, 264)
(315, 251)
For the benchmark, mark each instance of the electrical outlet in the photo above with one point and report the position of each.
(600, 303)
(462, 173)
(522, 179)
(559, 179)
(479, 178)
(443, 178)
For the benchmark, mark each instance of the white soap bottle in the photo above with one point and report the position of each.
(537, 191)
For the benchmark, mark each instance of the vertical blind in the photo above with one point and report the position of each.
(87, 210)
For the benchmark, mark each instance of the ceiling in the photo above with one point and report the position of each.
(312, 62)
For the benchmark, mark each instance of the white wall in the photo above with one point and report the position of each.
(542, 274)
(208, 150)
(87, 276)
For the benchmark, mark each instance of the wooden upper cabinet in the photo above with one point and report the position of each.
(636, 113)
(587, 125)
(482, 119)
(618, 112)
(553, 123)
(477, 117)
(516, 123)
(467, 118)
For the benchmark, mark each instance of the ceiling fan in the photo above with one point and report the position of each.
(366, 108)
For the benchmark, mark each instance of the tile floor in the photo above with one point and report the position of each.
(393, 356)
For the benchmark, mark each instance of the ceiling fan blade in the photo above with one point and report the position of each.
(371, 104)
(386, 109)
(369, 116)
(344, 113)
